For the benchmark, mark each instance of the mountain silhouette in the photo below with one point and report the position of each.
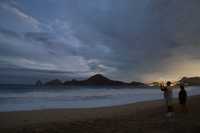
(134, 83)
(99, 79)
(96, 80)
(190, 80)
(55, 82)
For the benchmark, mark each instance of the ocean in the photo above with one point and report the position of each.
(28, 97)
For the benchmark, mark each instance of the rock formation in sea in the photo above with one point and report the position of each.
(38, 83)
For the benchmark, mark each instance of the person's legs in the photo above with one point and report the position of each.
(167, 105)
(169, 113)
(184, 108)
(170, 108)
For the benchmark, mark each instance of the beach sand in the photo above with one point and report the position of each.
(142, 117)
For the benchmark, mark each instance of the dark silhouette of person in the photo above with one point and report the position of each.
(183, 98)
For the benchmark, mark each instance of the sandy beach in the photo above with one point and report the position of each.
(139, 117)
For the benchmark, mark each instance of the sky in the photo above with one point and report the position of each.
(129, 40)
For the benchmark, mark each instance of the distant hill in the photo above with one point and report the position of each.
(134, 83)
(55, 82)
(96, 80)
(99, 79)
(190, 80)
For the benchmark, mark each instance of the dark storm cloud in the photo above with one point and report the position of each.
(139, 31)
(17, 75)
(39, 52)
(126, 40)
(41, 37)
(8, 33)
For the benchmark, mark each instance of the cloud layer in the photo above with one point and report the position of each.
(127, 40)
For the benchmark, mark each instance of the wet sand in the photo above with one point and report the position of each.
(142, 117)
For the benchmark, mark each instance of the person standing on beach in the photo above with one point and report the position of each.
(183, 98)
(168, 96)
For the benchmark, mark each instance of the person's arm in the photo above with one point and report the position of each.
(162, 87)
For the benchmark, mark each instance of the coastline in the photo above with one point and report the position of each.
(147, 116)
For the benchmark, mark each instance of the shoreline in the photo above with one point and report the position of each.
(68, 119)
(85, 108)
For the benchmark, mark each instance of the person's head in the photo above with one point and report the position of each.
(182, 87)
(168, 83)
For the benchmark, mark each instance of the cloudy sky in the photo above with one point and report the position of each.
(142, 40)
